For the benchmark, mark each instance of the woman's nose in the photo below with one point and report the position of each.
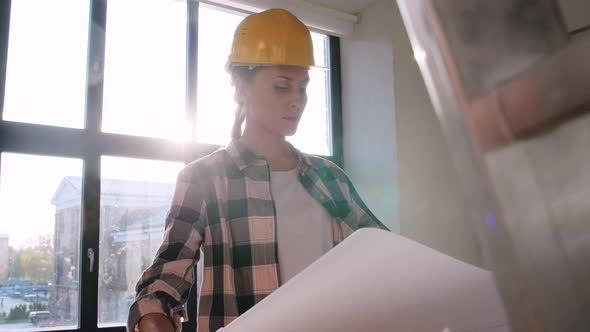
(298, 100)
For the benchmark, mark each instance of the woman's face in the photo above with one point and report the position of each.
(274, 99)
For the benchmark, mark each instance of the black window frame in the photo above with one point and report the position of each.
(90, 144)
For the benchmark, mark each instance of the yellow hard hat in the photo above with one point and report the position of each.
(272, 37)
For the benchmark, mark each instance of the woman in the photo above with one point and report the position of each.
(255, 203)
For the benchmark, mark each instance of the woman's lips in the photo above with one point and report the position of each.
(291, 118)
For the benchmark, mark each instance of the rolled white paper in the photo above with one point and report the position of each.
(376, 281)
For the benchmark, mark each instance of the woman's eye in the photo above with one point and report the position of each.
(281, 88)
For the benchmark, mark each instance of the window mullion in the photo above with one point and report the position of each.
(335, 99)
(95, 66)
(192, 47)
(90, 244)
(192, 50)
(91, 178)
(4, 27)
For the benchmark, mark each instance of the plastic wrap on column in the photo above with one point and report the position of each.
(510, 88)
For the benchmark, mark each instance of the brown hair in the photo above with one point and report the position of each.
(244, 73)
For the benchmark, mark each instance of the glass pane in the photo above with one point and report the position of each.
(46, 68)
(216, 105)
(314, 131)
(135, 198)
(39, 241)
(144, 91)
(215, 101)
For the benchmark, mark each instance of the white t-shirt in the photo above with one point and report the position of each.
(304, 227)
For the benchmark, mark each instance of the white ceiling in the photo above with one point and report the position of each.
(336, 17)
(348, 6)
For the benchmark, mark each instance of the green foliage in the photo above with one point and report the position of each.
(39, 306)
(33, 263)
(18, 312)
(16, 269)
(22, 311)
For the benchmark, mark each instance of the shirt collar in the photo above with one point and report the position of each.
(243, 157)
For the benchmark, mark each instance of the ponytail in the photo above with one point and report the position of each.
(236, 131)
(245, 73)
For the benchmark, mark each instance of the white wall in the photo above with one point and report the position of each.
(394, 149)
(368, 116)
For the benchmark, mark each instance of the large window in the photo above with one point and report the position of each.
(101, 105)
(40, 208)
(145, 68)
(135, 197)
(46, 72)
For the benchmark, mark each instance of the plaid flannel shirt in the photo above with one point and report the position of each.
(223, 205)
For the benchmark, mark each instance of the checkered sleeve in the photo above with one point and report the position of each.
(364, 215)
(164, 287)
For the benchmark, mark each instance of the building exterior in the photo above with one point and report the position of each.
(132, 216)
(4, 266)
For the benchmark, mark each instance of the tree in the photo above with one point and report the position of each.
(18, 312)
(33, 263)
(22, 311)
(16, 269)
(38, 306)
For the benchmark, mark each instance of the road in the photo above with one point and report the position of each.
(17, 326)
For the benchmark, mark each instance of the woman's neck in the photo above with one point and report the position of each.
(274, 149)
